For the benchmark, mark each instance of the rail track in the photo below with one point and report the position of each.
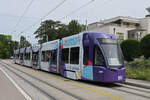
(122, 88)
(40, 80)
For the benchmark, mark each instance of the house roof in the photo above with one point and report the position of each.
(123, 18)
(97, 23)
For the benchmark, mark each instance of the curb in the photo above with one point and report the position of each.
(137, 85)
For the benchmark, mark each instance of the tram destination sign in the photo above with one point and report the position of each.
(111, 41)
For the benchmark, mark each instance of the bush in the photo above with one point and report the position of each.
(145, 46)
(130, 49)
(139, 73)
(141, 63)
(139, 69)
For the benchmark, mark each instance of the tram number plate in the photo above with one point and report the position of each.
(120, 77)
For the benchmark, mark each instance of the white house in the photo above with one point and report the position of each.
(123, 27)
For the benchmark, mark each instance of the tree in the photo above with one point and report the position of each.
(24, 42)
(7, 45)
(130, 49)
(2, 48)
(52, 30)
(5, 49)
(145, 46)
(47, 30)
(62, 32)
(74, 27)
(15, 45)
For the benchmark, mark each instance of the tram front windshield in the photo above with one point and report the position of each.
(112, 52)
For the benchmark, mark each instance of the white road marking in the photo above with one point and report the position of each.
(17, 86)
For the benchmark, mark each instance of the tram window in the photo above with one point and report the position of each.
(18, 56)
(35, 56)
(98, 57)
(53, 56)
(43, 56)
(47, 55)
(21, 56)
(29, 56)
(74, 55)
(86, 55)
(26, 56)
(65, 55)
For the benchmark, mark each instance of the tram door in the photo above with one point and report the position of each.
(53, 61)
(98, 64)
(21, 58)
(35, 59)
(87, 72)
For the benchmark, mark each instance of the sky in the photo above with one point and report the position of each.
(12, 10)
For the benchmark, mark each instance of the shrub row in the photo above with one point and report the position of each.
(133, 49)
(145, 46)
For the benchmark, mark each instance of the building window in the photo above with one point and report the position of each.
(86, 55)
(131, 35)
(74, 55)
(120, 36)
(65, 55)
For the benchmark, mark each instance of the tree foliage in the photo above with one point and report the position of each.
(47, 31)
(7, 45)
(24, 42)
(145, 46)
(130, 49)
(74, 27)
(51, 30)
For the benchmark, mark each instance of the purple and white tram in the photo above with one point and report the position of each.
(28, 57)
(22, 56)
(92, 56)
(50, 56)
(85, 56)
(36, 53)
(16, 56)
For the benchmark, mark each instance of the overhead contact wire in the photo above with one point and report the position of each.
(51, 11)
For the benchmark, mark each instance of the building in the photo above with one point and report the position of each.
(123, 27)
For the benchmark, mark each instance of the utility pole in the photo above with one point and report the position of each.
(47, 38)
(86, 25)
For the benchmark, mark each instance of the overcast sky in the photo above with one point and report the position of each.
(11, 10)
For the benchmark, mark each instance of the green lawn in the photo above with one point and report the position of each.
(139, 69)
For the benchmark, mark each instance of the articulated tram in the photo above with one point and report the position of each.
(85, 56)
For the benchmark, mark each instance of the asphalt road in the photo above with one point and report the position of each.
(40, 85)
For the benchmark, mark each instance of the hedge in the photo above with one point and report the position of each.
(130, 49)
(145, 46)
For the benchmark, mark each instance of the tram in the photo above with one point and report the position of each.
(85, 56)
